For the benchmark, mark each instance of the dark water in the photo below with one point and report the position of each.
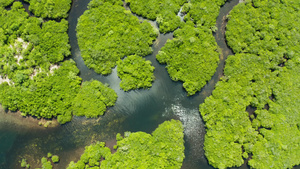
(138, 110)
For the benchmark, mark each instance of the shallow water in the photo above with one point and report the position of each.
(138, 110)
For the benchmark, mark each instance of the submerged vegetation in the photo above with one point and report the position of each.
(107, 32)
(191, 56)
(54, 9)
(47, 161)
(93, 99)
(163, 149)
(262, 75)
(135, 73)
(163, 11)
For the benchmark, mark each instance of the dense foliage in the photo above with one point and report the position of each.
(46, 95)
(93, 99)
(4, 3)
(191, 56)
(135, 73)
(32, 78)
(91, 156)
(163, 11)
(50, 8)
(28, 42)
(264, 75)
(163, 149)
(107, 32)
(203, 12)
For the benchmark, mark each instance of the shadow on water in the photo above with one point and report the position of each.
(137, 110)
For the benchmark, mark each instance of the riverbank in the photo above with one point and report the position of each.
(16, 121)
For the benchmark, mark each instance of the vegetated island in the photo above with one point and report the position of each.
(263, 75)
(33, 78)
(54, 9)
(135, 72)
(107, 32)
(164, 148)
(93, 99)
(192, 56)
(163, 11)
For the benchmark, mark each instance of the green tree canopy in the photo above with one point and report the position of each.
(191, 56)
(107, 32)
(163, 149)
(50, 8)
(263, 74)
(135, 73)
(93, 99)
(163, 11)
(28, 43)
(4, 3)
(203, 12)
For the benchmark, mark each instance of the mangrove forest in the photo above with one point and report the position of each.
(149, 66)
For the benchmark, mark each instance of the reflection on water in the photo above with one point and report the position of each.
(138, 110)
(194, 132)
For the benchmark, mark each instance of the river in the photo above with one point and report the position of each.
(138, 110)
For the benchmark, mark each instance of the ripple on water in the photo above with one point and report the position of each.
(194, 130)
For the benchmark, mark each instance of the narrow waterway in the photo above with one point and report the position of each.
(138, 110)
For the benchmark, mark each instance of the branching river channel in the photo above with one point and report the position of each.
(137, 110)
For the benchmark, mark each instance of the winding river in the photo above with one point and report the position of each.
(138, 110)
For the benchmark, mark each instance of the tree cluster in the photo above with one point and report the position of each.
(163, 149)
(107, 32)
(91, 156)
(45, 95)
(93, 99)
(262, 75)
(54, 9)
(203, 12)
(28, 42)
(24, 164)
(4, 3)
(31, 51)
(46, 161)
(191, 56)
(46, 164)
(163, 11)
(135, 73)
